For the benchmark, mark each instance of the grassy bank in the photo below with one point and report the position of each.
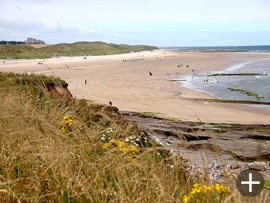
(42, 163)
(75, 49)
(66, 150)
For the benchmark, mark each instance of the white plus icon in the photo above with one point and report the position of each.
(250, 182)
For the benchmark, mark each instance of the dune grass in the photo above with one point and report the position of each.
(99, 157)
(75, 49)
(41, 164)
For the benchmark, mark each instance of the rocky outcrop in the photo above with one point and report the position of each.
(59, 91)
(217, 147)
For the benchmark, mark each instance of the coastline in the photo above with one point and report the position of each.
(192, 82)
(130, 88)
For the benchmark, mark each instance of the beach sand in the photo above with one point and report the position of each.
(130, 88)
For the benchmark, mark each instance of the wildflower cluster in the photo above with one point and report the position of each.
(139, 140)
(204, 193)
(120, 146)
(105, 137)
(68, 124)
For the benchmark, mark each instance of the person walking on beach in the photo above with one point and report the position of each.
(150, 73)
(85, 82)
(110, 103)
(206, 78)
(193, 73)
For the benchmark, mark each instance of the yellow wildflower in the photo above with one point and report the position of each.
(106, 146)
(133, 149)
(186, 199)
(67, 125)
(204, 191)
(63, 130)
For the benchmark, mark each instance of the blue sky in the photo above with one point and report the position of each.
(155, 22)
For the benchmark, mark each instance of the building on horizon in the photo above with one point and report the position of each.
(33, 41)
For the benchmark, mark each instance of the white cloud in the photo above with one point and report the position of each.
(53, 25)
(71, 20)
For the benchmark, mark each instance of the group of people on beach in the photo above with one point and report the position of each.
(181, 65)
(67, 66)
(177, 73)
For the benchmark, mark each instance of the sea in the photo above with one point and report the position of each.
(261, 48)
(253, 87)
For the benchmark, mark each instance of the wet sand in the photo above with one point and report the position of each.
(130, 88)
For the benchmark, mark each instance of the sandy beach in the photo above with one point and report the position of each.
(130, 88)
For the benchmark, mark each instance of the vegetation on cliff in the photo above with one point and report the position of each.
(62, 150)
(58, 149)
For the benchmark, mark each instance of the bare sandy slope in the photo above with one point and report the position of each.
(129, 86)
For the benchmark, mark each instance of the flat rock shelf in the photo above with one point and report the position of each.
(219, 148)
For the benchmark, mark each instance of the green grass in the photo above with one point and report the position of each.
(8, 80)
(155, 115)
(233, 74)
(75, 49)
(246, 92)
(229, 101)
(267, 184)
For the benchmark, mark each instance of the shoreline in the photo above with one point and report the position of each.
(187, 83)
(130, 88)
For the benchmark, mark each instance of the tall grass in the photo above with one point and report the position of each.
(41, 164)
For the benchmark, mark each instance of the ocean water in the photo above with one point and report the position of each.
(265, 48)
(223, 86)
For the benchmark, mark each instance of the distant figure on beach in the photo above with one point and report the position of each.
(150, 73)
(179, 65)
(205, 79)
(193, 72)
(187, 66)
(110, 102)
(85, 82)
(4, 62)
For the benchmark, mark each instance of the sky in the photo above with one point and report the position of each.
(154, 22)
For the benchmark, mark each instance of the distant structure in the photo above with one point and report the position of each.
(34, 41)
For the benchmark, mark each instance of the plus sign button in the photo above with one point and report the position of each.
(250, 183)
